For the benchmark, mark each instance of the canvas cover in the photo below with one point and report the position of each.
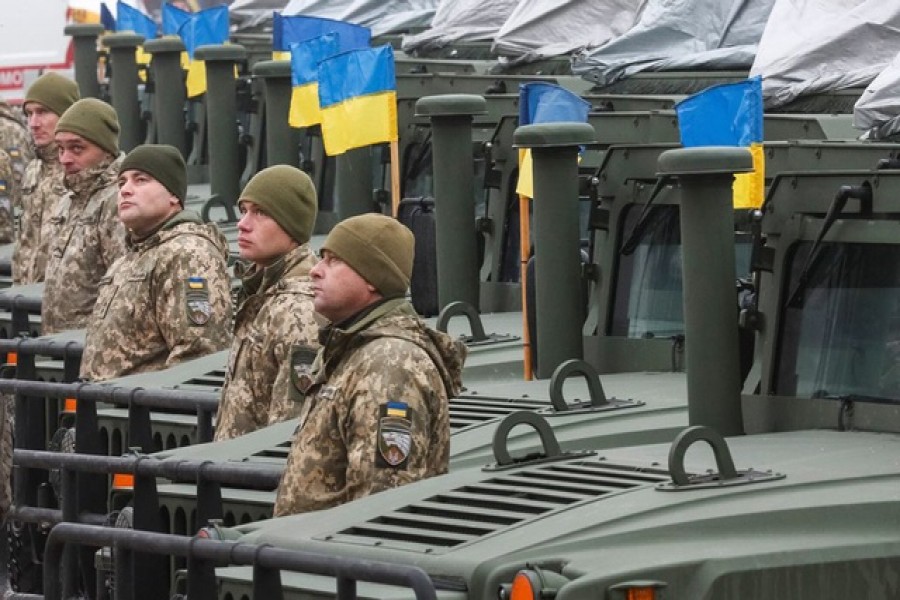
(546, 28)
(381, 16)
(680, 35)
(463, 21)
(879, 104)
(819, 45)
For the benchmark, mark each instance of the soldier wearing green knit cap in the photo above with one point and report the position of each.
(168, 298)
(375, 402)
(275, 324)
(42, 188)
(86, 234)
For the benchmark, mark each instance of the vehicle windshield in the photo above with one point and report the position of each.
(648, 301)
(843, 337)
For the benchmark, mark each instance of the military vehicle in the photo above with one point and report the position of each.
(814, 423)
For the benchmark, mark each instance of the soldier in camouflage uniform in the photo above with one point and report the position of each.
(275, 319)
(15, 141)
(87, 234)
(375, 414)
(8, 193)
(168, 298)
(42, 184)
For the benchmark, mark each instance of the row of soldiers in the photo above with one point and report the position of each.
(333, 344)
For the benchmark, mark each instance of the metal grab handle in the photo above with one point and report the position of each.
(462, 308)
(685, 439)
(523, 417)
(568, 369)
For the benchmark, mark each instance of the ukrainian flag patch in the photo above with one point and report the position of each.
(196, 283)
(397, 409)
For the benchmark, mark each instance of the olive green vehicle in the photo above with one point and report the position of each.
(795, 501)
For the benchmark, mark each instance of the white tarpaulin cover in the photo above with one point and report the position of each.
(381, 16)
(463, 21)
(880, 102)
(545, 28)
(681, 34)
(818, 45)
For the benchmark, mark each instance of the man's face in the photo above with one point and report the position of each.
(144, 203)
(77, 153)
(340, 292)
(41, 123)
(260, 238)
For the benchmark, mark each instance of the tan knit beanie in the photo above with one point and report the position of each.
(377, 247)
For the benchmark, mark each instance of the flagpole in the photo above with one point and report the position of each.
(524, 247)
(395, 178)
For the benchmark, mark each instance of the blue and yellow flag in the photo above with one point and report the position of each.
(545, 103)
(129, 18)
(305, 59)
(358, 99)
(106, 18)
(730, 114)
(209, 26)
(298, 28)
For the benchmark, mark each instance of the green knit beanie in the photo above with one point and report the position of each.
(53, 91)
(93, 120)
(289, 196)
(162, 162)
(377, 247)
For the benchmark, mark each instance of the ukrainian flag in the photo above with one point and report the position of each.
(131, 19)
(305, 59)
(209, 26)
(106, 18)
(545, 103)
(358, 99)
(729, 114)
(298, 28)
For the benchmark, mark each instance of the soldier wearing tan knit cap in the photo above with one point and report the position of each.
(374, 404)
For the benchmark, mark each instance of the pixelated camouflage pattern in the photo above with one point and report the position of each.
(15, 140)
(140, 321)
(42, 190)
(387, 356)
(8, 193)
(7, 412)
(276, 314)
(87, 238)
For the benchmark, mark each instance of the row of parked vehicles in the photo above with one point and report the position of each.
(714, 414)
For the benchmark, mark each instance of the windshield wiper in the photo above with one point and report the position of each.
(861, 192)
(637, 231)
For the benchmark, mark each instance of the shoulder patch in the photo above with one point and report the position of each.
(196, 297)
(302, 358)
(394, 435)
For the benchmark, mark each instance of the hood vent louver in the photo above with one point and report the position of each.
(479, 509)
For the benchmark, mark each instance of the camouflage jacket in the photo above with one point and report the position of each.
(87, 238)
(42, 189)
(166, 300)
(376, 414)
(8, 193)
(275, 321)
(15, 140)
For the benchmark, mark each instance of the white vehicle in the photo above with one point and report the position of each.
(32, 41)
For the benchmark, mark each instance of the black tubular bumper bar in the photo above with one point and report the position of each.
(205, 554)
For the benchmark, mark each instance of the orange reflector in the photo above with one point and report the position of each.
(12, 358)
(523, 587)
(641, 593)
(123, 481)
(69, 405)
